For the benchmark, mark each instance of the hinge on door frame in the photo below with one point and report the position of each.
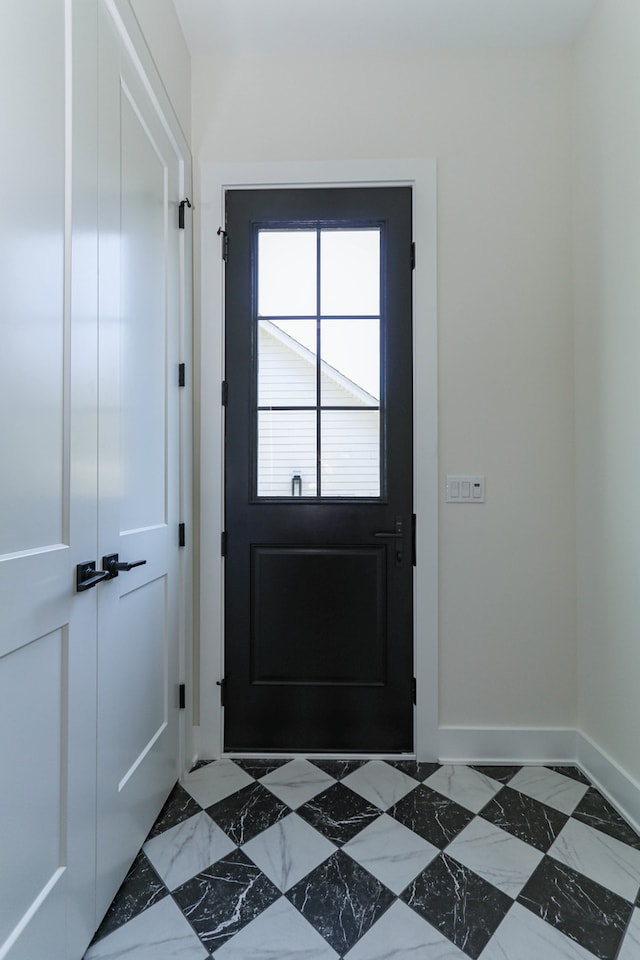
(181, 206)
(224, 393)
(182, 374)
(414, 549)
(225, 243)
(413, 255)
(414, 690)
(182, 696)
(223, 543)
(182, 535)
(223, 691)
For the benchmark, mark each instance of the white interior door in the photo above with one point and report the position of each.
(138, 484)
(47, 484)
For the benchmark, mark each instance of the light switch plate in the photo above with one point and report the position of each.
(464, 489)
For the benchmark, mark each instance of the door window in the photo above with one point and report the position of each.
(317, 362)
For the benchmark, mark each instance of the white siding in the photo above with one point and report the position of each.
(284, 378)
(350, 453)
(286, 445)
(287, 438)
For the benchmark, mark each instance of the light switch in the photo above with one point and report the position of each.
(464, 489)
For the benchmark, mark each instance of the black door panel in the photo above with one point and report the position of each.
(318, 587)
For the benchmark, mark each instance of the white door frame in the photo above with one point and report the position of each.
(135, 44)
(215, 179)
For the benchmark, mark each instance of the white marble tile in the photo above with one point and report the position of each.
(391, 852)
(183, 851)
(630, 949)
(288, 851)
(280, 933)
(496, 855)
(602, 858)
(380, 783)
(557, 791)
(400, 934)
(215, 781)
(297, 782)
(467, 787)
(160, 931)
(524, 936)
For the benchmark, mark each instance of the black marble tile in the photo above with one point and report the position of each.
(341, 900)
(459, 903)
(501, 774)
(140, 889)
(222, 899)
(413, 768)
(433, 816)
(570, 771)
(339, 769)
(339, 813)
(260, 768)
(179, 807)
(588, 913)
(598, 812)
(248, 812)
(525, 818)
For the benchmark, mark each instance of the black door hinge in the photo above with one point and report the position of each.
(182, 696)
(414, 691)
(414, 549)
(225, 393)
(182, 535)
(413, 256)
(182, 374)
(223, 543)
(181, 206)
(223, 691)
(225, 243)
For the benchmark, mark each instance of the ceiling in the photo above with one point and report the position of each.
(350, 26)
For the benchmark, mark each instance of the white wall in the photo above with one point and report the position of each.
(607, 324)
(163, 33)
(498, 123)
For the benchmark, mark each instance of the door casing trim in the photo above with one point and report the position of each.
(214, 180)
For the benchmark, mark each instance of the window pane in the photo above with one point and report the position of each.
(287, 271)
(350, 453)
(350, 354)
(286, 449)
(350, 272)
(286, 365)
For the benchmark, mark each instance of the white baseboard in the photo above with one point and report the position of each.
(513, 745)
(621, 790)
(506, 745)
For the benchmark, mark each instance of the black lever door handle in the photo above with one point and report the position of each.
(113, 566)
(87, 576)
(394, 534)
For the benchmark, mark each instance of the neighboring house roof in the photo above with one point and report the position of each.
(342, 381)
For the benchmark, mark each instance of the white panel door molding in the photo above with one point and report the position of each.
(94, 321)
(47, 481)
(139, 341)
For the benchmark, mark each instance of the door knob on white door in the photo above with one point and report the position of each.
(112, 566)
(87, 576)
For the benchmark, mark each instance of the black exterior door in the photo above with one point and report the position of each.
(318, 471)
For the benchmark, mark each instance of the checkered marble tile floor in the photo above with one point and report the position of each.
(376, 860)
